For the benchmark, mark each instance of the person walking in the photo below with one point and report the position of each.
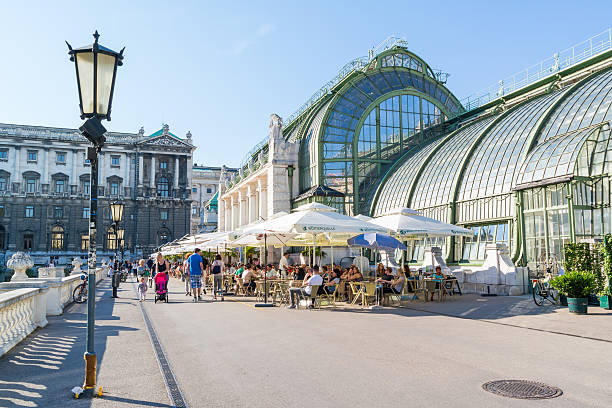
(161, 265)
(196, 268)
(142, 290)
(186, 275)
(217, 273)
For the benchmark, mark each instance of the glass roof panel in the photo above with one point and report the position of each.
(434, 186)
(394, 193)
(502, 146)
(588, 105)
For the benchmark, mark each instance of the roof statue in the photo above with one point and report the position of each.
(276, 127)
(188, 135)
(165, 129)
(141, 131)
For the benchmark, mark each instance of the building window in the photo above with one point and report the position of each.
(28, 240)
(3, 154)
(194, 190)
(1, 211)
(59, 186)
(59, 212)
(114, 188)
(2, 183)
(29, 211)
(32, 155)
(85, 242)
(115, 161)
(163, 164)
(163, 187)
(194, 210)
(86, 161)
(209, 190)
(85, 187)
(163, 214)
(57, 238)
(31, 185)
(60, 157)
(86, 212)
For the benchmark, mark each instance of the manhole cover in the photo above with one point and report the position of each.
(522, 389)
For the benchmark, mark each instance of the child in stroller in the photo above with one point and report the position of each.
(161, 287)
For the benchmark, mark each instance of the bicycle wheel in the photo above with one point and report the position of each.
(553, 296)
(79, 294)
(537, 294)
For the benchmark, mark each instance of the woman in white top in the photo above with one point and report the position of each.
(216, 270)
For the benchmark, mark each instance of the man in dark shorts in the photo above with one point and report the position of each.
(196, 268)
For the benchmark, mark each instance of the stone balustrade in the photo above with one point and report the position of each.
(21, 312)
(24, 305)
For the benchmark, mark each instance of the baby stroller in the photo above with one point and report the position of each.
(161, 287)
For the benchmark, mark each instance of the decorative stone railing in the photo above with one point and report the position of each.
(21, 312)
(24, 305)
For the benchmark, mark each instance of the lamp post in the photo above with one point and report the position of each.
(96, 69)
(116, 208)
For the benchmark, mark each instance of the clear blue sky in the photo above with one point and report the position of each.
(220, 68)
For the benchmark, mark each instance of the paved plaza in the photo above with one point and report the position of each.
(230, 354)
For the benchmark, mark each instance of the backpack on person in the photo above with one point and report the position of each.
(216, 268)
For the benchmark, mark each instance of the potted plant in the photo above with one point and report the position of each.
(605, 293)
(577, 286)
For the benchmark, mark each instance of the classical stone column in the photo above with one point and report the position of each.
(263, 201)
(73, 174)
(221, 215)
(251, 200)
(140, 169)
(44, 179)
(126, 179)
(176, 172)
(152, 173)
(233, 213)
(17, 166)
(241, 212)
(228, 217)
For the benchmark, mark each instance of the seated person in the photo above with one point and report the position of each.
(437, 277)
(271, 273)
(248, 278)
(300, 274)
(355, 276)
(407, 272)
(332, 281)
(306, 289)
(239, 271)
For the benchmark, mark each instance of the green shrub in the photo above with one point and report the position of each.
(580, 257)
(575, 284)
(606, 251)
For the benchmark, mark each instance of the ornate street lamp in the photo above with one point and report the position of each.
(116, 208)
(96, 69)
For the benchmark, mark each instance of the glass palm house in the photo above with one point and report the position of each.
(528, 166)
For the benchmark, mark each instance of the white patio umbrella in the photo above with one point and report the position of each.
(315, 219)
(406, 222)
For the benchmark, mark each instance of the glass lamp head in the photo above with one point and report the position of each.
(116, 208)
(96, 69)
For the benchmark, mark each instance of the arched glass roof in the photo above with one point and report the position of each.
(353, 100)
(588, 105)
(434, 186)
(492, 166)
(396, 189)
(580, 152)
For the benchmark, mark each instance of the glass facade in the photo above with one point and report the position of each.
(533, 175)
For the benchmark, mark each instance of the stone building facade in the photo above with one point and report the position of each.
(204, 192)
(45, 185)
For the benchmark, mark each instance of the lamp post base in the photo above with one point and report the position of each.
(264, 304)
(91, 363)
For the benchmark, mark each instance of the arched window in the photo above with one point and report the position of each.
(163, 187)
(4, 180)
(164, 236)
(57, 238)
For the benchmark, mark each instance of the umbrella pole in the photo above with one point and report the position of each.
(265, 261)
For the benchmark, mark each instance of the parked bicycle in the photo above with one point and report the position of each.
(547, 268)
(79, 294)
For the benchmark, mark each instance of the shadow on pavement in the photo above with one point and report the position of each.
(42, 369)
